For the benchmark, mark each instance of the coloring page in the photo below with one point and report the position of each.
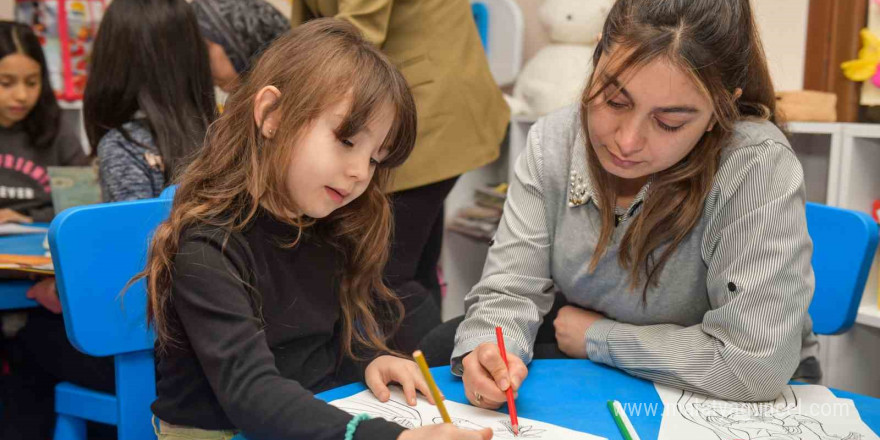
(464, 416)
(801, 412)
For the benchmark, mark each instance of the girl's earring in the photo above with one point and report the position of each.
(271, 132)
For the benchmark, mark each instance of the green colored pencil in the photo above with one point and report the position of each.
(622, 421)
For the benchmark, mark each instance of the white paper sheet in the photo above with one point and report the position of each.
(802, 412)
(464, 416)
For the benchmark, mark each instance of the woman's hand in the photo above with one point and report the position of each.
(486, 378)
(445, 431)
(387, 369)
(10, 216)
(44, 292)
(571, 326)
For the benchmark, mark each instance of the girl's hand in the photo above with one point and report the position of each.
(44, 292)
(387, 369)
(571, 325)
(9, 216)
(445, 431)
(486, 378)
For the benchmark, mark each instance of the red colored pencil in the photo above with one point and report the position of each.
(511, 407)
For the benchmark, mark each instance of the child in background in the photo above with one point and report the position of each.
(236, 31)
(147, 105)
(149, 98)
(265, 283)
(32, 135)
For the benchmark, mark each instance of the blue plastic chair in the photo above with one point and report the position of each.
(481, 17)
(844, 243)
(96, 249)
(168, 192)
(501, 28)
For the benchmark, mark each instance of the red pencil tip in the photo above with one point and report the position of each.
(516, 430)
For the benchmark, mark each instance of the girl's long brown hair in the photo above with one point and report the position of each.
(238, 170)
(717, 43)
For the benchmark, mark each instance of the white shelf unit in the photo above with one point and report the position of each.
(841, 163)
(860, 164)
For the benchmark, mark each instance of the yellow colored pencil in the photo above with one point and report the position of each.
(438, 399)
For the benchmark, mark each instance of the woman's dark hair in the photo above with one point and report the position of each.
(149, 56)
(717, 43)
(42, 123)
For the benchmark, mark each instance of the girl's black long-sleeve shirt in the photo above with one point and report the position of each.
(230, 369)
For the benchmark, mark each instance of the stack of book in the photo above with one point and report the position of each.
(480, 220)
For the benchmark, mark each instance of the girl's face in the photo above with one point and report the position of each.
(326, 173)
(653, 121)
(20, 86)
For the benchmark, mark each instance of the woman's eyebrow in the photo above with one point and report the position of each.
(669, 109)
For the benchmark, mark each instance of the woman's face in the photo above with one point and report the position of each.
(222, 70)
(648, 121)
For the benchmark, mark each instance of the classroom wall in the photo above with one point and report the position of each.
(7, 8)
(783, 25)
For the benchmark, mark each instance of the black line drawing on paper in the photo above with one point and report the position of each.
(780, 419)
(525, 431)
(392, 410)
(461, 423)
(504, 428)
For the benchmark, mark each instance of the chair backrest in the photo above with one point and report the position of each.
(481, 18)
(96, 250)
(168, 192)
(844, 243)
(502, 36)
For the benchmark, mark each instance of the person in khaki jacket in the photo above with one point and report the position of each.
(462, 120)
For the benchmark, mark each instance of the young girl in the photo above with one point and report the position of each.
(149, 98)
(266, 281)
(668, 209)
(32, 134)
(462, 122)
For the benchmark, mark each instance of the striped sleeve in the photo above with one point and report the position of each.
(516, 289)
(760, 283)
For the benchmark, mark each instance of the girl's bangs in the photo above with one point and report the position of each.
(373, 88)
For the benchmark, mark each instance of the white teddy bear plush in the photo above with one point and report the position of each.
(557, 74)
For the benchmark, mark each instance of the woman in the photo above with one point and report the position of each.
(667, 210)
